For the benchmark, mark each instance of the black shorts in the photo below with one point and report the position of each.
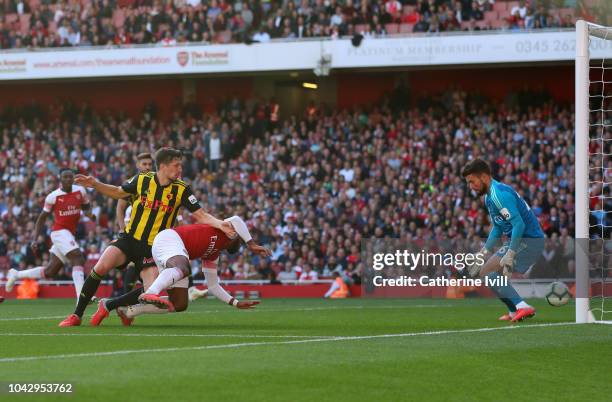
(136, 251)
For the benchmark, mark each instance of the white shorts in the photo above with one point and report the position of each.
(63, 243)
(168, 244)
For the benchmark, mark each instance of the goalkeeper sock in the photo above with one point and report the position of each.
(87, 292)
(166, 278)
(522, 304)
(506, 293)
(127, 299)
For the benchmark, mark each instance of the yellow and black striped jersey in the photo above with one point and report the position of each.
(155, 207)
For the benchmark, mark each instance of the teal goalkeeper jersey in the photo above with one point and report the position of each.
(511, 216)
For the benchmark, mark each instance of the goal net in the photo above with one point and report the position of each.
(593, 173)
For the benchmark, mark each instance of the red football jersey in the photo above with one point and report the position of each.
(203, 241)
(66, 207)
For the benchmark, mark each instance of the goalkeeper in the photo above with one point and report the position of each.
(513, 218)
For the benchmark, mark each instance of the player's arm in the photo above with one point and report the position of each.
(243, 231)
(509, 210)
(122, 205)
(192, 204)
(86, 208)
(108, 190)
(210, 274)
(494, 236)
(40, 224)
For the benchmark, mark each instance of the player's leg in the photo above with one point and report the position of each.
(130, 277)
(112, 256)
(175, 269)
(77, 260)
(105, 306)
(529, 253)
(194, 292)
(172, 261)
(127, 314)
(179, 296)
(52, 268)
(491, 272)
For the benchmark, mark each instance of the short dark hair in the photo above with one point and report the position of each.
(144, 155)
(166, 155)
(477, 166)
(62, 170)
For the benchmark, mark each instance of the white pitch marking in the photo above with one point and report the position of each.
(241, 345)
(113, 334)
(261, 310)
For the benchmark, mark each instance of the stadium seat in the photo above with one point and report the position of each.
(482, 25)
(360, 28)
(406, 28)
(24, 23)
(499, 7)
(406, 10)
(491, 16)
(392, 28)
(34, 5)
(5, 263)
(11, 18)
(118, 18)
(496, 24)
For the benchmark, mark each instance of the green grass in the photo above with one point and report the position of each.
(285, 351)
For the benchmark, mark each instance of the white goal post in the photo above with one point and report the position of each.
(584, 166)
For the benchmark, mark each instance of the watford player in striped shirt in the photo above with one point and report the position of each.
(159, 196)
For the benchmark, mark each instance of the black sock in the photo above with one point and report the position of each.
(128, 299)
(190, 282)
(89, 290)
(129, 278)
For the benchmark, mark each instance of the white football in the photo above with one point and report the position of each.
(557, 294)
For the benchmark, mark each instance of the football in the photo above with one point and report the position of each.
(557, 294)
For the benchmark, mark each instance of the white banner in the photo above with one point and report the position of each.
(292, 56)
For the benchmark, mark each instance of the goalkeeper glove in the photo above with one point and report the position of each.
(507, 263)
(474, 269)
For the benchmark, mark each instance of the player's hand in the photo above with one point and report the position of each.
(228, 229)
(34, 247)
(474, 269)
(247, 304)
(82, 180)
(259, 250)
(507, 263)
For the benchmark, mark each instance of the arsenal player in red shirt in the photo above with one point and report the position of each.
(66, 204)
(172, 250)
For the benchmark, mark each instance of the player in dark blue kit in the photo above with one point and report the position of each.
(514, 219)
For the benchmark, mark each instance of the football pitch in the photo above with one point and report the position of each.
(309, 350)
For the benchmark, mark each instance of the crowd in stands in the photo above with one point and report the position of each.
(311, 186)
(51, 23)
